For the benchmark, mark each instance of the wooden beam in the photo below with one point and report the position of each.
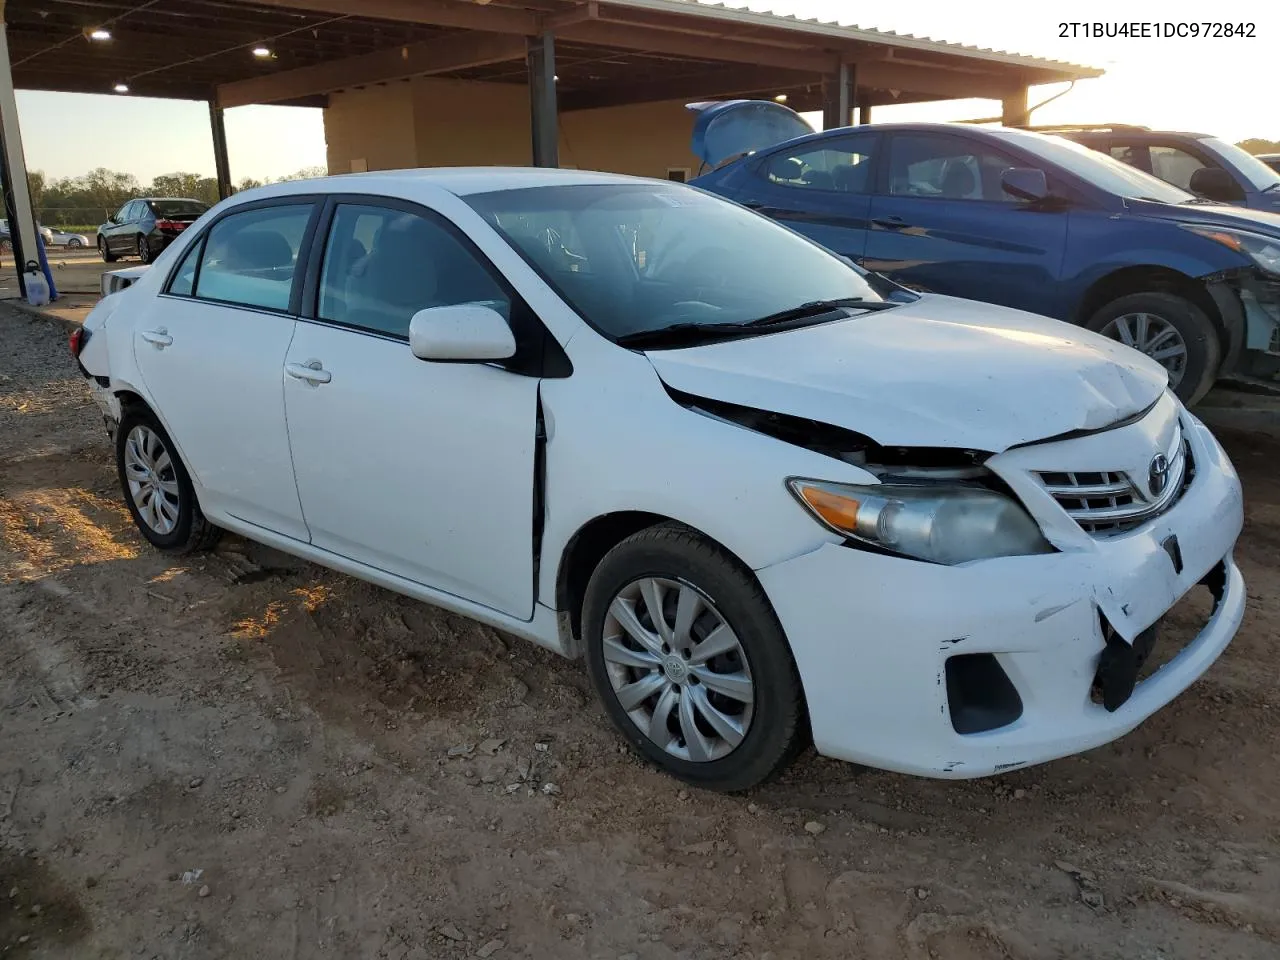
(439, 13)
(579, 14)
(709, 85)
(655, 40)
(934, 81)
(418, 59)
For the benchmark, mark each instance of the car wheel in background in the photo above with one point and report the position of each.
(6, 246)
(1171, 330)
(157, 488)
(144, 249)
(690, 661)
(107, 255)
(74, 243)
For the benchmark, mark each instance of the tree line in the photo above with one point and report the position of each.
(89, 199)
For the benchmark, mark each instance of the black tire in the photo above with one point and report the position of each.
(1204, 348)
(192, 531)
(104, 252)
(74, 244)
(778, 729)
(144, 249)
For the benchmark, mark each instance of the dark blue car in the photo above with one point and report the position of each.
(1020, 219)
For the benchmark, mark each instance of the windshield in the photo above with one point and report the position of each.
(633, 258)
(1259, 175)
(1099, 169)
(178, 208)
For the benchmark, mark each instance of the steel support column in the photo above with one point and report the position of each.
(220, 161)
(13, 167)
(1013, 109)
(542, 101)
(864, 113)
(837, 97)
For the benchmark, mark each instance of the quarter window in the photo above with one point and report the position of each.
(250, 258)
(382, 265)
(946, 168)
(841, 166)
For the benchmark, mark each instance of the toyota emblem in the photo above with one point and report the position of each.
(1158, 474)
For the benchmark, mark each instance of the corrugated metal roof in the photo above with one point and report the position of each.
(834, 29)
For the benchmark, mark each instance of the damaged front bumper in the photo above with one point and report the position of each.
(972, 670)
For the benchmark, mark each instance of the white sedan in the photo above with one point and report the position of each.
(72, 241)
(768, 496)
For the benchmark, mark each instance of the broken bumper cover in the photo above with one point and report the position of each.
(872, 636)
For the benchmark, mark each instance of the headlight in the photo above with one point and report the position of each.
(938, 524)
(1262, 250)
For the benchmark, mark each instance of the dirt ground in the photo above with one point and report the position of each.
(243, 755)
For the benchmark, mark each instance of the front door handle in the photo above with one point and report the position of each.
(158, 338)
(890, 223)
(311, 371)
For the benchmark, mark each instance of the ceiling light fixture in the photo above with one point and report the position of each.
(99, 33)
(261, 52)
(121, 88)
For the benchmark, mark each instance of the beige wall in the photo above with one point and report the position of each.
(432, 122)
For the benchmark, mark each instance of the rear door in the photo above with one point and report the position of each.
(821, 188)
(211, 350)
(941, 222)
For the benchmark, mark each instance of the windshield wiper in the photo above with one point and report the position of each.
(1274, 186)
(815, 308)
(678, 333)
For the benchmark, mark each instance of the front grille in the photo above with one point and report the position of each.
(1110, 502)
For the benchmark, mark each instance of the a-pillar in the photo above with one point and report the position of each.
(542, 101)
(837, 97)
(1013, 109)
(13, 167)
(220, 161)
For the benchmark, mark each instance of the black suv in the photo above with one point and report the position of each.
(142, 228)
(1196, 162)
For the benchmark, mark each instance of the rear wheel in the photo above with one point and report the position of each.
(104, 252)
(1169, 329)
(74, 243)
(144, 249)
(690, 661)
(157, 488)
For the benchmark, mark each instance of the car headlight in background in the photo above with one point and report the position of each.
(938, 524)
(1261, 249)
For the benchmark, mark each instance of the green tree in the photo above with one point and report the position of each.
(191, 186)
(1256, 146)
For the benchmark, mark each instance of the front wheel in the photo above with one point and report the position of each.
(1169, 329)
(74, 244)
(105, 252)
(690, 661)
(157, 488)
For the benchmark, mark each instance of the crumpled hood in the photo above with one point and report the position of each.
(1266, 221)
(941, 372)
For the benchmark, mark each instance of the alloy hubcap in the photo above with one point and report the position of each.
(678, 669)
(153, 484)
(1155, 337)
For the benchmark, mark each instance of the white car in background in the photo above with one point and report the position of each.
(72, 241)
(768, 496)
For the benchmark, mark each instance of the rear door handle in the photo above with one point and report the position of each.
(890, 223)
(311, 371)
(159, 338)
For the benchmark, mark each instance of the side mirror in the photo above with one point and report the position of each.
(1214, 183)
(112, 219)
(1025, 183)
(465, 332)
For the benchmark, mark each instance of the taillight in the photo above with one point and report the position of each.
(170, 224)
(79, 337)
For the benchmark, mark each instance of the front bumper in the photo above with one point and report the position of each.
(872, 634)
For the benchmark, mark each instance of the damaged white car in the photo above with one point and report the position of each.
(770, 497)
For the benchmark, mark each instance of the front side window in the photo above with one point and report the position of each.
(250, 258)
(842, 166)
(383, 265)
(1174, 165)
(946, 168)
(648, 256)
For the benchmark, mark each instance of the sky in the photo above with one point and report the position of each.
(1221, 86)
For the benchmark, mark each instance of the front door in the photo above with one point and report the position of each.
(941, 222)
(820, 188)
(117, 233)
(211, 351)
(421, 469)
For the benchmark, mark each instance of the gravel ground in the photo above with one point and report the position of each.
(243, 755)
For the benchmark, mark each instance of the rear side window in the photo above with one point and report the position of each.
(250, 258)
(184, 278)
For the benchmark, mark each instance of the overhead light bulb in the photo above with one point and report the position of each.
(781, 98)
(261, 52)
(100, 33)
(121, 88)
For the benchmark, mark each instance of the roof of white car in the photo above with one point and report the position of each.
(461, 181)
